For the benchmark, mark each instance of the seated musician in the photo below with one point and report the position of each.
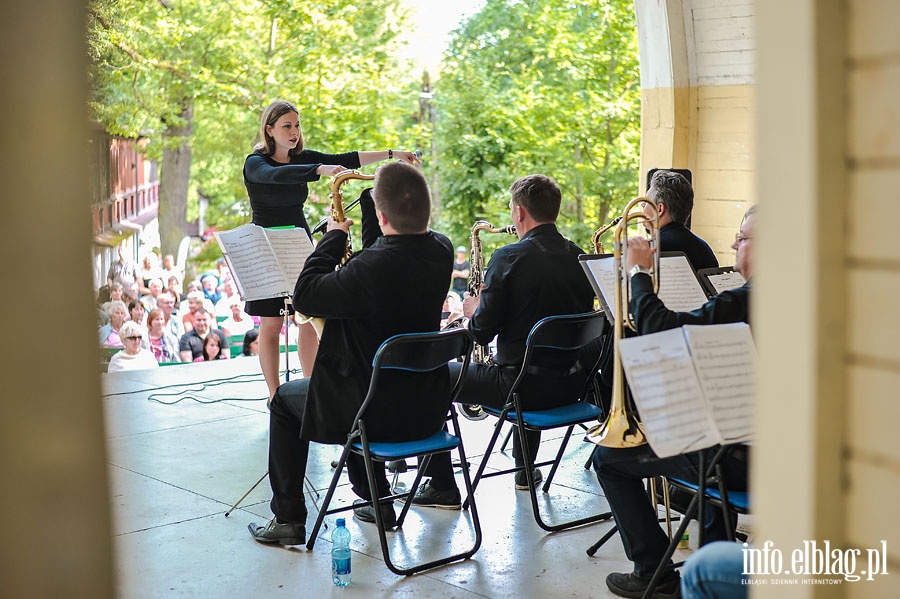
(621, 471)
(524, 282)
(674, 198)
(364, 303)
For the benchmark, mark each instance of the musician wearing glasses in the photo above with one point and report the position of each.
(364, 303)
(276, 175)
(524, 282)
(621, 471)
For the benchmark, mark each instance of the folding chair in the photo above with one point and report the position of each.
(554, 348)
(710, 487)
(417, 355)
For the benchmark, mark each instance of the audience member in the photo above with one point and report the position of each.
(134, 356)
(238, 322)
(229, 294)
(170, 269)
(149, 270)
(174, 286)
(166, 303)
(210, 283)
(161, 342)
(124, 271)
(149, 300)
(212, 350)
(194, 303)
(191, 344)
(137, 314)
(452, 312)
(251, 343)
(524, 282)
(460, 276)
(109, 334)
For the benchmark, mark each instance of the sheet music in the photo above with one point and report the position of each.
(679, 288)
(253, 263)
(726, 280)
(292, 247)
(725, 361)
(667, 393)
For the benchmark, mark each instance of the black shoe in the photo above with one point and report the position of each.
(522, 479)
(275, 532)
(366, 513)
(629, 585)
(428, 496)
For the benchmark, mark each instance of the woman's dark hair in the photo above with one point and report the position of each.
(249, 337)
(212, 335)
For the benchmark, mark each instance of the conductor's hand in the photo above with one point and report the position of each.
(333, 225)
(330, 169)
(639, 253)
(409, 157)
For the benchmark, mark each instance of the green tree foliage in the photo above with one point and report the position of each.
(540, 86)
(192, 77)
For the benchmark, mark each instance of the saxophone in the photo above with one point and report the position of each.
(337, 213)
(482, 353)
(596, 246)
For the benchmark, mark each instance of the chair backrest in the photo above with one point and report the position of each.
(557, 344)
(418, 354)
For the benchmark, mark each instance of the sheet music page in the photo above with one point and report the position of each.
(667, 393)
(253, 263)
(725, 360)
(603, 274)
(291, 247)
(679, 287)
(726, 280)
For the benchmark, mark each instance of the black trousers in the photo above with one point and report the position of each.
(621, 473)
(489, 386)
(288, 454)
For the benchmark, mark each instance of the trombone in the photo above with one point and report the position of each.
(622, 427)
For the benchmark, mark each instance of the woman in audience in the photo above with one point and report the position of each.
(137, 313)
(162, 343)
(211, 349)
(133, 357)
(251, 343)
(108, 334)
(149, 270)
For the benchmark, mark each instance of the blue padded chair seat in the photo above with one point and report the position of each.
(737, 499)
(439, 441)
(554, 417)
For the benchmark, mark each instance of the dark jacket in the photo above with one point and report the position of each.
(675, 237)
(652, 316)
(397, 284)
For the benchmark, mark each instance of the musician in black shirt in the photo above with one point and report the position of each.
(621, 471)
(524, 282)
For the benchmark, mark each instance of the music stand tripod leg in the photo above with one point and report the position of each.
(244, 496)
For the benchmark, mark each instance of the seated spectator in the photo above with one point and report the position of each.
(239, 322)
(170, 269)
(251, 343)
(149, 270)
(137, 314)
(452, 310)
(212, 350)
(210, 284)
(194, 303)
(174, 286)
(166, 303)
(133, 357)
(109, 334)
(115, 292)
(162, 343)
(191, 344)
(189, 287)
(124, 271)
(156, 287)
(229, 294)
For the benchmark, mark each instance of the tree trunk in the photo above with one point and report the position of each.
(173, 181)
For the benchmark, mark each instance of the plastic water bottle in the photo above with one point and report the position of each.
(340, 554)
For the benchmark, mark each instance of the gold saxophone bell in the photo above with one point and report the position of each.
(596, 245)
(622, 427)
(337, 213)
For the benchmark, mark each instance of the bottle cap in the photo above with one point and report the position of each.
(341, 522)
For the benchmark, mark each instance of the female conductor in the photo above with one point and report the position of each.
(276, 175)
